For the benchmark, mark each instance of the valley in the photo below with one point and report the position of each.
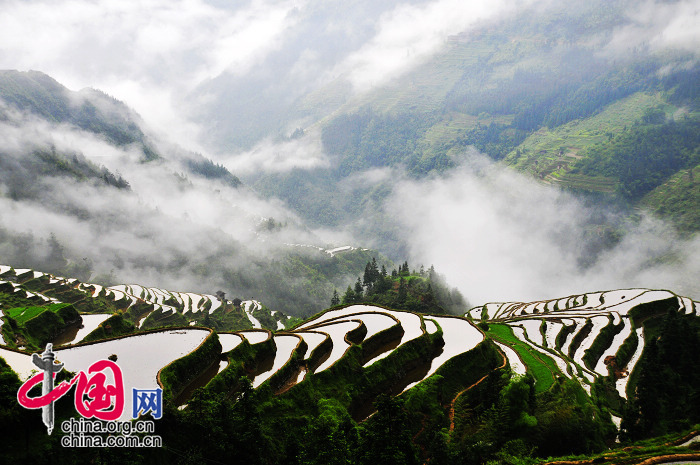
(372, 232)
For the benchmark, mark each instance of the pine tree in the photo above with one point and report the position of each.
(349, 296)
(335, 300)
(358, 291)
(401, 298)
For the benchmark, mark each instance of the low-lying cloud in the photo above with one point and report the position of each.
(409, 34)
(148, 53)
(658, 25)
(276, 157)
(499, 236)
(160, 231)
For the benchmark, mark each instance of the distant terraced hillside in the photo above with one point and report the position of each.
(144, 307)
(586, 336)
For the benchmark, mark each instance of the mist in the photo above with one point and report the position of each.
(251, 85)
(168, 224)
(501, 236)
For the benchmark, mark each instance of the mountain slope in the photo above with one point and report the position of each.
(89, 109)
(121, 205)
(540, 92)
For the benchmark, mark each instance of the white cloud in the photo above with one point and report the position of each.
(409, 34)
(275, 157)
(147, 53)
(498, 235)
(659, 26)
(152, 233)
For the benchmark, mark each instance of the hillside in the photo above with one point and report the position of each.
(532, 92)
(40, 95)
(513, 382)
(121, 204)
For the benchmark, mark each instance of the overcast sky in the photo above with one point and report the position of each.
(151, 53)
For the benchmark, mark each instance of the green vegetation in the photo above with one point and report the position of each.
(176, 376)
(33, 327)
(542, 367)
(424, 291)
(90, 110)
(600, 343)
(667, 384)
(211, 170)
(113, 326)
(639, 451)
(504, 421)
(677, 199)
(645, 156)
(472, 410)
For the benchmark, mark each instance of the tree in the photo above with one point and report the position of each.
(349, 296)
(403, 292)
(330, 437)
(385, 438)
(335, 300)
(371, 274)
(358, 290)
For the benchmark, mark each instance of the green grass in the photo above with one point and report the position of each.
(635, 452)
(541, 366)
(23, 314)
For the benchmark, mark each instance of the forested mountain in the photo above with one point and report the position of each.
(535, 92)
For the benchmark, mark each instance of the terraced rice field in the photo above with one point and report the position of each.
(229, 341)
(154, 302)
(138, 370)
(572, 326)
(255, 337)
(90, 323)
(574, 337)
(286, 344)
(337, 332)
(459, 335)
